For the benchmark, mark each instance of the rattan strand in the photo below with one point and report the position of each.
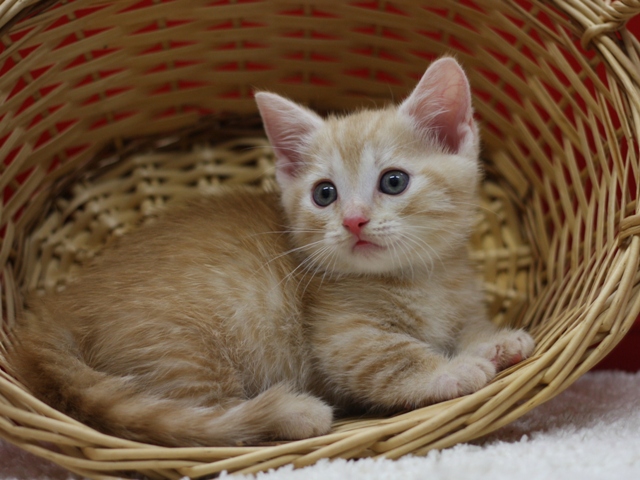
(112, 109)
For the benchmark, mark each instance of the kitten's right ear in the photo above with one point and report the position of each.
(288, 126)
(440, 107)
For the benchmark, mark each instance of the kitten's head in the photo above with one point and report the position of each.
(381, 191)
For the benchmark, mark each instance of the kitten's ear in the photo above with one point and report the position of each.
(440, 107)
(288, 126)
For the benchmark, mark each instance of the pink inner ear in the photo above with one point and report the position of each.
(288, 126)
(440, 104)
(456, 111)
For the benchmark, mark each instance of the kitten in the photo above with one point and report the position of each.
(246, 316)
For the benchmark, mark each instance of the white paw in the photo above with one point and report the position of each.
(507, 348)
(461, 376)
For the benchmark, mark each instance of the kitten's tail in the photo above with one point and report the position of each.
(116, 405)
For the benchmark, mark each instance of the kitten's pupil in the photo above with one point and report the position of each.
(325, 193)
(394, 182)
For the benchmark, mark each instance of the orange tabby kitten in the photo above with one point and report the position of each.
(248, 316)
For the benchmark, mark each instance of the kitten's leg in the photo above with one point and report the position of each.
(280, 413)
(502, 346)
(383, 369)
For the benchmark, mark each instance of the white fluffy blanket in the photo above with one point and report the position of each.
(589, 432)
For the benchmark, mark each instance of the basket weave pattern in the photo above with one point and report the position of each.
(111, 109)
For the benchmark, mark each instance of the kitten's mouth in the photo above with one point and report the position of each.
(365, 246)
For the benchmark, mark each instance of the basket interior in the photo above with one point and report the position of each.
(113, 109)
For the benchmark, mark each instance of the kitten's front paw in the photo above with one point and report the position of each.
(461, 376)
(507, 348)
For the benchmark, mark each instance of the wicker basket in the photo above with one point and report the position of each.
(111, 109)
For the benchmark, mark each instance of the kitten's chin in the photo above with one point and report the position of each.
(366, 257)
(364, 247)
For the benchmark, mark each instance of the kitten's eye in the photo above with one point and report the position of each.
(325, 193)
(394, 182)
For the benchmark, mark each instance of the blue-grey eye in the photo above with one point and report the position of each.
(325, 193)
(394, 182)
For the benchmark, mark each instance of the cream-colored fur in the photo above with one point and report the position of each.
(246, 316)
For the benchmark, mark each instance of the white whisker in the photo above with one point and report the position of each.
(296, 249)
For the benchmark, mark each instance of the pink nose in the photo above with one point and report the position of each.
(355, 224)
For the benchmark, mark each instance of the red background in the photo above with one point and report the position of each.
(626, 355)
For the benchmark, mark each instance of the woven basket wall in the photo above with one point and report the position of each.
(111, 109)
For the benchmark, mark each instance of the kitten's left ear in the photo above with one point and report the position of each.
(440, 107)
(288, 126)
